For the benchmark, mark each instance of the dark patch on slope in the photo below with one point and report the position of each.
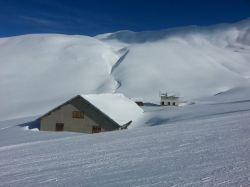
(119, 61)
(31, 124)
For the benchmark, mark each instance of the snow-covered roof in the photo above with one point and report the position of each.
(115, 105)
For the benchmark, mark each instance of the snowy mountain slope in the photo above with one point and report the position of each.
(38, 72)
(201, 152)
(205, 143)
(193, 62)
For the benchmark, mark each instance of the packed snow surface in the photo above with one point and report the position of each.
(118, 107)
(38, 72)
(203, 144)
(211, 149)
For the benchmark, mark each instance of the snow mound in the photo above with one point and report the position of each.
(116, 106)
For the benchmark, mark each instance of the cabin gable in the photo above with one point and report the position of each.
(77, 115)
(95, 114)
(67, 118)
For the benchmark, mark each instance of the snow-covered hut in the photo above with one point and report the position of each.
(91, 114)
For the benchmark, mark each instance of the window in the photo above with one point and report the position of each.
(59, 126)
(173, 103)
(162, 103)
(96, 129)
(168, 103)
(77, 114)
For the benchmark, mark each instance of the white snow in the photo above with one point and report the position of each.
(193, 61)
(38, 72)
(205, 142)
(27, 128)
(212, 150)
(116, 106)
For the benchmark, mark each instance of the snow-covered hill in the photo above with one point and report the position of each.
(40, 71)
(192, 61)
(203, 143)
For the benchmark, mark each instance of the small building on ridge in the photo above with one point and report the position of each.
(169, 100)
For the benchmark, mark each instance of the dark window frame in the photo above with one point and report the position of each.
(78, 114)
(59, 126)
(96, 129)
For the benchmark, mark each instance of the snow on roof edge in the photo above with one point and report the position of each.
(116, 106)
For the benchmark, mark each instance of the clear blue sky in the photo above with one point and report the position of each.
(91, 17)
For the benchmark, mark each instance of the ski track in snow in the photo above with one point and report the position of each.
(208, 152)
